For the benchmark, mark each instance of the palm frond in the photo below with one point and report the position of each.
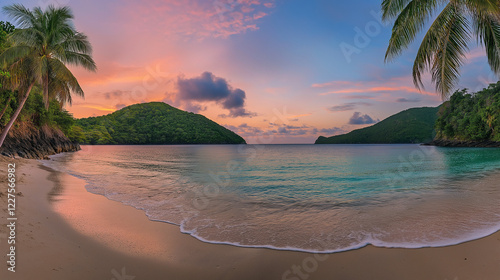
(60, 91)
(436, 51)
(28, 37)
(79, 59)
(46, 42)
(77, 43)
(392, 8)
(62, 73)
(451, 51)
(408, 24)
(482, 6)
(487, 30)
(13, 54)
(21, 16)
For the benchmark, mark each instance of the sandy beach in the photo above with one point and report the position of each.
(65, 232)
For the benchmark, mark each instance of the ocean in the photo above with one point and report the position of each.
(313, 198)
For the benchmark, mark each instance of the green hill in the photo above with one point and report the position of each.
(151, 123)
(410, 126)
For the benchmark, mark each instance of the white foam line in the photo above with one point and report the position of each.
(373, 242)
(376, 243)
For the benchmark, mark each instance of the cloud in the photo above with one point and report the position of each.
(274, 129)
(195, 108)
(115, 94)
(360, 97)
(200, 18)
(347, 106)
(245, 129)
(332, 131)
(99, 107)
(209, 88)
(358, 118)
(337, 84)
(284, 130)
(378, 89)
(301, 130)
(475, 53)
(396, 84)
(238, 112)
(405, 100)
(120, 106)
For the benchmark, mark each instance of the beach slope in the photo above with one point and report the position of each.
(65, 232)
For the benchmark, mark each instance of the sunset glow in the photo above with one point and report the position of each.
(292, 69)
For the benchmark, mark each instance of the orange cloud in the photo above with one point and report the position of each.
(298, 116)
(100, 108)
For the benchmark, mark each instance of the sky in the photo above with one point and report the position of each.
(273, 71)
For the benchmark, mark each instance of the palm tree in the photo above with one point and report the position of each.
(5, 29)
(41, 48)
(446, 43)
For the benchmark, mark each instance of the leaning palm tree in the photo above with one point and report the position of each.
(42, 46)
(445, 45)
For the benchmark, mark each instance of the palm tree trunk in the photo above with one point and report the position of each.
(46, 91)
(6, 106)
(16, 114)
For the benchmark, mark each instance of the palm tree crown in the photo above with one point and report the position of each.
(42, 46)
(445, 45)
(44, 43)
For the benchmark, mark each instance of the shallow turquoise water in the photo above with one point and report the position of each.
(302, 197)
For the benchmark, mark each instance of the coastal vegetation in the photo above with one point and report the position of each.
(35, 111)
(151, 123)
(410, 126)
(471, 116)
(444, 47)
(36, 57)
(35, 84)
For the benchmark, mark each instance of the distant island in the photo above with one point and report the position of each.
(151, 123)
(414, 125)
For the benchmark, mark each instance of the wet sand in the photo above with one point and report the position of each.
(65, 232)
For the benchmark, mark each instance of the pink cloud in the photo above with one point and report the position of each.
(360, 97)
(199, 18)
(475, 53)
(336, 84)
(394, 84)
(259, 15)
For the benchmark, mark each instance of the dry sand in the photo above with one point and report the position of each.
(65, 232)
